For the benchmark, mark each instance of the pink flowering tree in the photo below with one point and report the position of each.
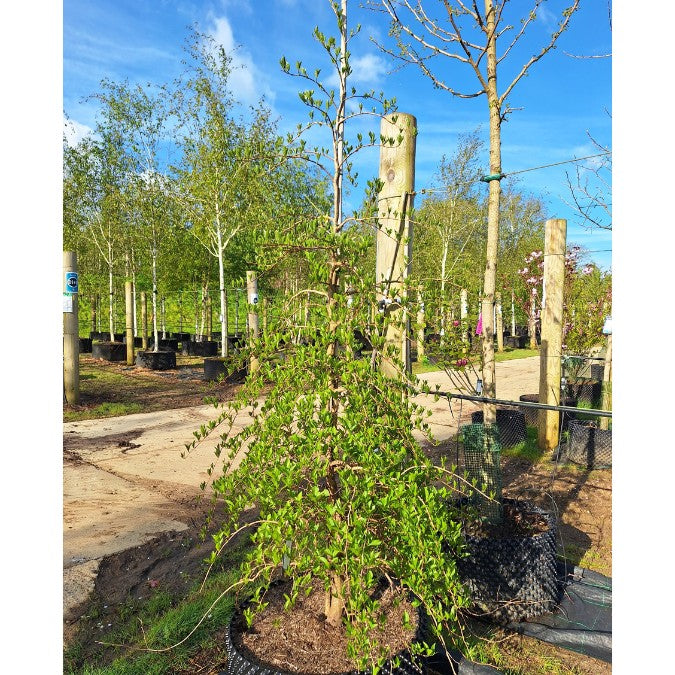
(587, 301)
(459, 356)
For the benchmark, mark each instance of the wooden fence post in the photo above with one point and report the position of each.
(144, 320)
(499, 322)
(420, 326)
(129, 307)
(394, 235)
(71, 332)
(550, 354)
(253, 329)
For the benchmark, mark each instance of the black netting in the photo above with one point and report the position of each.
(511, 424)
(482, 452)
(511, 578)
(587, 444)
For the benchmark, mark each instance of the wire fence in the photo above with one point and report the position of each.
(584, 434)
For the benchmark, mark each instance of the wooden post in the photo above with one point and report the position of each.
(550, 357)
(209, 318)
(71, 333)
(236, 311)
(180, 311)
(253, 329)
(225, 345)
(398, 133)
(499, 322)
(607, 384)
(265, 304)
(144, 320)
(94, 303)
(420, 326)
(463, 314)
(129, 307)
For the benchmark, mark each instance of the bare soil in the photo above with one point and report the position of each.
(301, 641)
(133, 509)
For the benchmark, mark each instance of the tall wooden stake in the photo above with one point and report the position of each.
(499, 322)
(71, 333)
(607, 384)
(144, 320)
(550, 353)
(463, 315)
(129, 307)
(420, 326)
(253, 329)
(398, 133)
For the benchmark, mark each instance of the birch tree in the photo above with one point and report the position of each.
(453, 212)
(143, 117)
(97, 169)
(469, 35)
(220, 175)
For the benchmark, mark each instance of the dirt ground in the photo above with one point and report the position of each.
(133, 509)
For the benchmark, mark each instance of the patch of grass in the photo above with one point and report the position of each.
(103, 410)
(527, 449)
(510, 655)
(149, 636)
(590, 559)
(424, 366)
(512, 354)
(428, 366)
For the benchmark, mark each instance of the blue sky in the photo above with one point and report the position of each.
(562, 99)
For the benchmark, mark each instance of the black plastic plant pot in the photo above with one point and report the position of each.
(585, 390)
(515, 341)
(159, 360)
(181, 337)
(240, 661)
(511, 425)
(512, 577)
(221, 367)
(597, 371)
(204, 348)
(164, 344)
(97, 335)
(85, 345)
(138, 341)
(235, 341)
(109, 351)
(589, 445)
(532, 414)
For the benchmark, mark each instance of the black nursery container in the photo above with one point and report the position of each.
(511, 425)
(512, 578)
(85, 345)
(515, 341)
(159, 360)
(164, 344)
(204, 348)
(589, 445)
(219, 367)
(109, 351)
(532, 414)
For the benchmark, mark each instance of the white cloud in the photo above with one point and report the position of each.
(366, 69)
(548, 18)
(74, 131)
(246, 80)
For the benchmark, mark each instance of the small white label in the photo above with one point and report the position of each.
(67, 302)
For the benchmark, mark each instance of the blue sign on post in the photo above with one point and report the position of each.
(71, 282)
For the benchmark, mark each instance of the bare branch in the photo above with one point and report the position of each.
(567, 15)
